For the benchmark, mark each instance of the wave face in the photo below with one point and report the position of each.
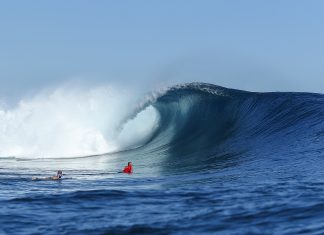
(201, 126)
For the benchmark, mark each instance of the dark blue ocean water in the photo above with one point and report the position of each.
(220, 162)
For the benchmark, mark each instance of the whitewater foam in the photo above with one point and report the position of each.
(72, 121)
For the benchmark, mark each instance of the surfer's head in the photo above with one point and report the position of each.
(129, 163)
(59, 173)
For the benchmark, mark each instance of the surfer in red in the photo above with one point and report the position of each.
(129, 168)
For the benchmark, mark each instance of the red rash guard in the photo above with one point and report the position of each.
(128, 169)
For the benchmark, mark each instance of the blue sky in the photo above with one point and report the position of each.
(254, 45)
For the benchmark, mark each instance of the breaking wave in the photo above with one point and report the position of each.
(174, 124)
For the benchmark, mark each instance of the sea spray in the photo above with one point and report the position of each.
(72, 121)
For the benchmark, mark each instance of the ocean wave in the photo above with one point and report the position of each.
(174, 123)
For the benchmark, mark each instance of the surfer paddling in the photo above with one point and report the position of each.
(128, 169)
(58, 176)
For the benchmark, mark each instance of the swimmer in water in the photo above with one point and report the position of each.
(58, 176)
(129, 168)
